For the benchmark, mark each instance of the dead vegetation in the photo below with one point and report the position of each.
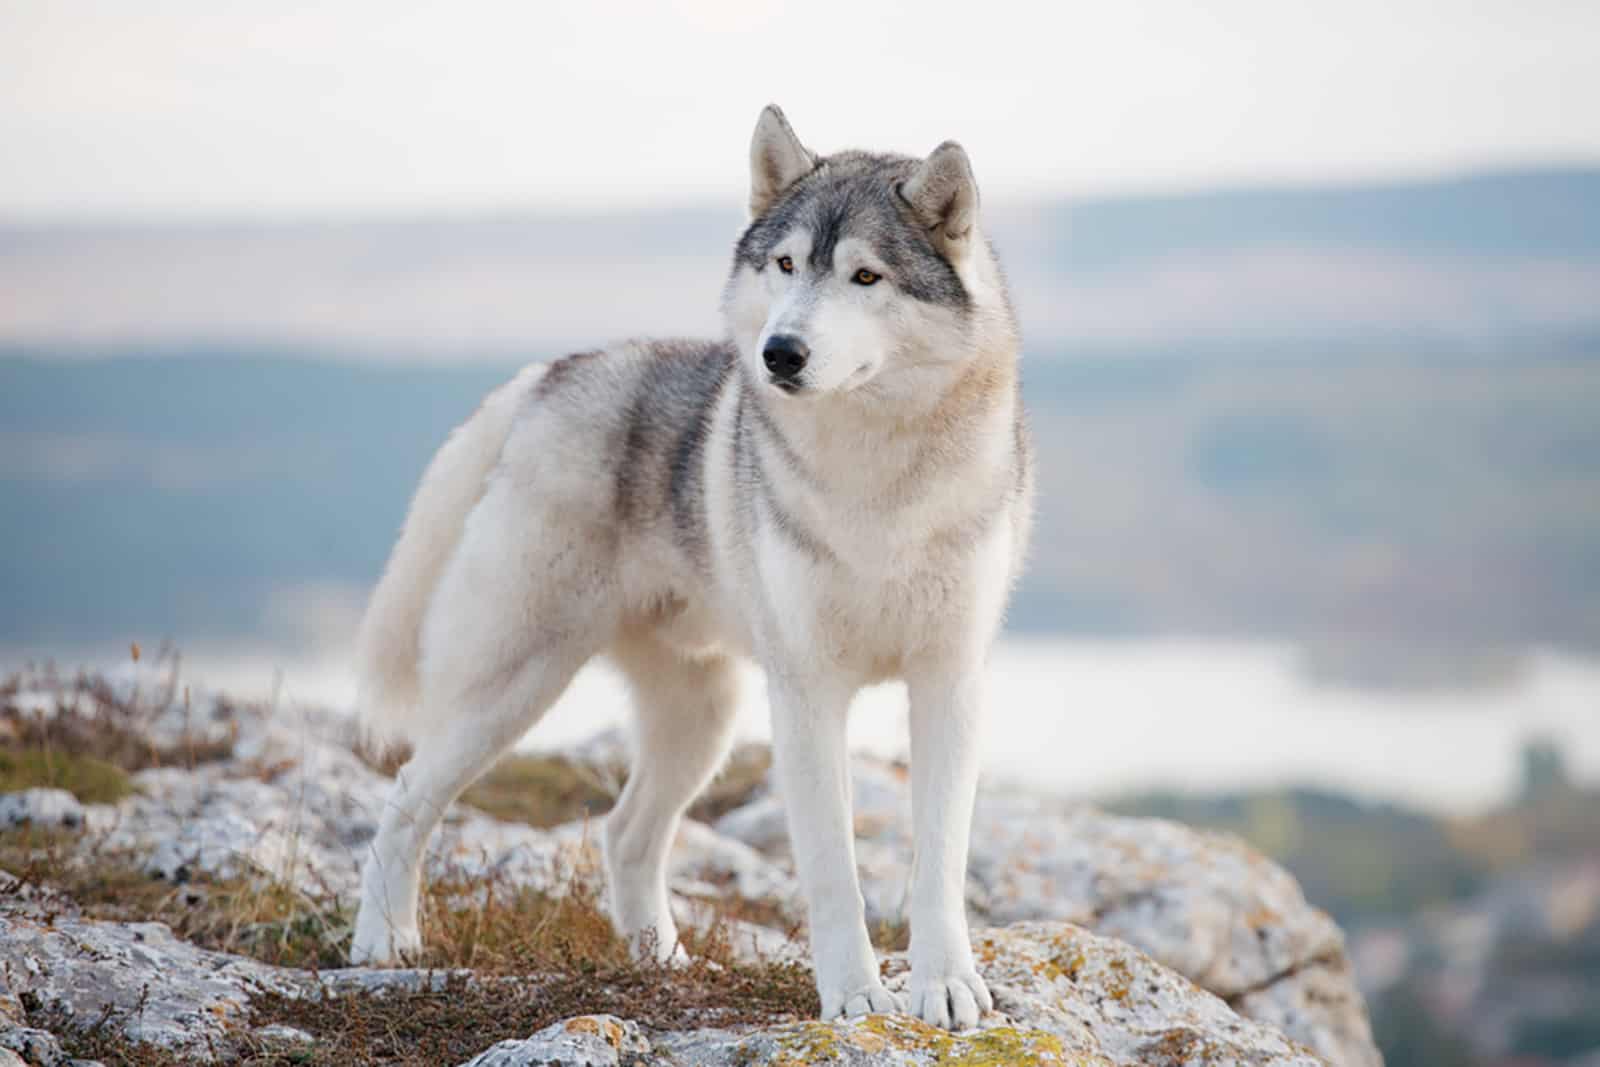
(513, 960)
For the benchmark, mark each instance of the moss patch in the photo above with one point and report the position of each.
(540, 790)
(547, 790)
(91, 780)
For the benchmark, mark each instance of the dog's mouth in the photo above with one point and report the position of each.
(787, 386)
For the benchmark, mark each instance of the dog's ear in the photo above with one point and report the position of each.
(943, 197)
(777, 159)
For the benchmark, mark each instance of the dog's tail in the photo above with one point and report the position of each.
(388, 645)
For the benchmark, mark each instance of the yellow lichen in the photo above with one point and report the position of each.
(998, 1047)
(867, 1041)
(605, 1029)
(1119, 980)
(807, 1043)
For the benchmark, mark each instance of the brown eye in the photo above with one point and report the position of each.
(786, 264)
(865, 277)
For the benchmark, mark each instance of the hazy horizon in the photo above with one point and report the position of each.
(1006, 203)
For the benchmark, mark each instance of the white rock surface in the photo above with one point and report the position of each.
(1062, 996)
(160, 990)
(40, 807)
(583, 1041)
(27, 1045)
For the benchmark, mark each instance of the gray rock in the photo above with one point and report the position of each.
(1206, 905)
(1062, 996)
(281, 1035)
(584, 1041)
(159, 990)
(38, 1048)
(40, 807)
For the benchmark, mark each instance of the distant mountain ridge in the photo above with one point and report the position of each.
(1519, 214)
(1484, 259)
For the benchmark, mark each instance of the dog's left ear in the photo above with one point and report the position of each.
(943, 196)
(777, 159)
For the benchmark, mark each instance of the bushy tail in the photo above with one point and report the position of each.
(388, 644)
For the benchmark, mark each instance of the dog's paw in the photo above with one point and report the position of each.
(678, 957)
(950, 1001)
(379, 942)
(870, 999)
(658, 944)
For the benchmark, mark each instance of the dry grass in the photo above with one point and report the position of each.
(534, 958)
(265, 919)
(891, 935)
(92, 736)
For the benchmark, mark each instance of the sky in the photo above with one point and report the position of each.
(284, 109)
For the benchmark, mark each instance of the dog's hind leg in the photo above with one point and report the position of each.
(503, 636)
(684, 709)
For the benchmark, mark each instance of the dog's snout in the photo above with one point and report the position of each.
(785, 356)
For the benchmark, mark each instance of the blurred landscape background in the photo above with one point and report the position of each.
(1317, 407)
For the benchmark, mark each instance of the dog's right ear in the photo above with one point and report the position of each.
(943, 195)
(777, 159)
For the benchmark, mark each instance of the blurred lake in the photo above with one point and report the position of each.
(1097, 719)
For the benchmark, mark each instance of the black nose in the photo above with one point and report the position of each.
(785, 356)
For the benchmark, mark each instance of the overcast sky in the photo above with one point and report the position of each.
(283, 107)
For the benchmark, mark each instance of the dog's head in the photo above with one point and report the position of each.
(859, 272)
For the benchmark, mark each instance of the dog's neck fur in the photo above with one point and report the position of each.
(862, 456)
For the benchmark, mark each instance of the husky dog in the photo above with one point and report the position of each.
(840, 491)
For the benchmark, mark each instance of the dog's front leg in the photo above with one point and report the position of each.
(945, 703)
(808, 742)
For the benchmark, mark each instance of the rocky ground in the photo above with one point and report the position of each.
(1105, 940)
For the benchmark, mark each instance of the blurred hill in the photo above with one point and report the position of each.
(1467, 263)
(1392, 512)
(1365, 418)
